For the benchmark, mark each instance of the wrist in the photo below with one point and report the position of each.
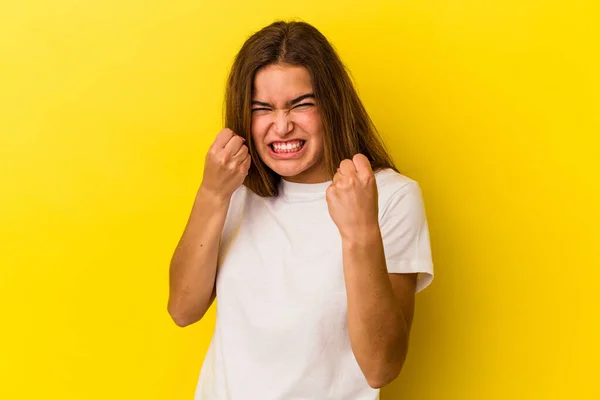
(362, 236)
(212, 197)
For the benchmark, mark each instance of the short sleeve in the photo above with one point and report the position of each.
(405, 234)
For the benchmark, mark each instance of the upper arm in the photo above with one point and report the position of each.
(404, 287)
(405, 235)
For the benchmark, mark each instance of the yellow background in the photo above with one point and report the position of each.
(106, 111)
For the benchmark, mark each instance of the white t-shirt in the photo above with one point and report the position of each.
(281, 330)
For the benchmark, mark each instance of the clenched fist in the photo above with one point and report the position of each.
(352, 197)
(226, 165)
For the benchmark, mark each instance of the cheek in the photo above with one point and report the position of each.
(259, 128)
(311, 123)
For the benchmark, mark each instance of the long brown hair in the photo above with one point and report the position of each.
(348, 129)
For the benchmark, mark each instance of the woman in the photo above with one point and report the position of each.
(302, 227)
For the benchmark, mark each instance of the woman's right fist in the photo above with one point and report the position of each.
(226, 165)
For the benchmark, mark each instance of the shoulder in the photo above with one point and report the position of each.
(391, 184)
(236, 206)
(388, 178)
(239, 196)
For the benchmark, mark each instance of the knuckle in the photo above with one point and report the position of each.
(232, 165)
(213, 155)
(222, 159)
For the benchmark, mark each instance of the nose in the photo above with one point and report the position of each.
(283, 123)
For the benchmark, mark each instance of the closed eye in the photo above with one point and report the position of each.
(261, 109)
(304, 105)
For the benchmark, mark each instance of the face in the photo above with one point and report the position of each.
(286, 124)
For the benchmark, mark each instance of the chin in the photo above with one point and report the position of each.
(305, 174)
(288, 172)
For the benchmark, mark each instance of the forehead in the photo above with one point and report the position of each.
(281, 83)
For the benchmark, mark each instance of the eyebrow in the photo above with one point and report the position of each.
(289, 103)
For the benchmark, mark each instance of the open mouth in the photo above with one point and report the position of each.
(292, 146)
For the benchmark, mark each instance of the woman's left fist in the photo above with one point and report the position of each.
(352, 197)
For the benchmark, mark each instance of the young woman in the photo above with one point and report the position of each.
(304, 230)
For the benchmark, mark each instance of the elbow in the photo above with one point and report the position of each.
(384, 375)
(180, 316)
(378, 381)
(182, 321)
(185, 311)
(385, 365)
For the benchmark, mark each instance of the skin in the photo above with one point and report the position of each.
(282, 112)
(378, 323)
(380, 305)
(193, 266)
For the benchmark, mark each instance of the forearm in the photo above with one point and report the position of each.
(194, 263)
(376, 324)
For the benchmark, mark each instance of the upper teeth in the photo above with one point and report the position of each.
(286, 146)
